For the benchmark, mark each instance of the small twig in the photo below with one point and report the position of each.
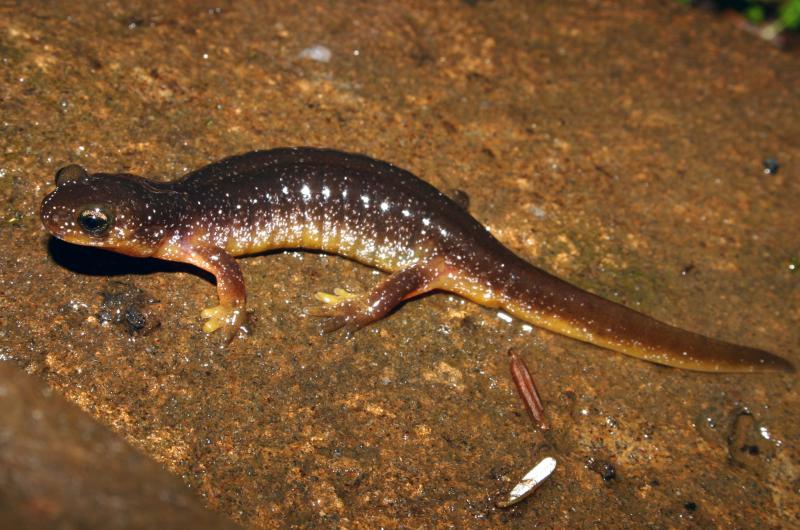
(527, 389)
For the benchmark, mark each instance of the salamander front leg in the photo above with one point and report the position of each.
(230, 314)
(352, 312)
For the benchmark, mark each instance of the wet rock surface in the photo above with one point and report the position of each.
(60, 469)
(621, 147)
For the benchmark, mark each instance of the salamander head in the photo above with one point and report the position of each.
(120, 212)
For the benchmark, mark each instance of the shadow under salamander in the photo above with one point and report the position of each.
(98, 262)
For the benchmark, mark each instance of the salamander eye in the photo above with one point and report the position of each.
(95, 221)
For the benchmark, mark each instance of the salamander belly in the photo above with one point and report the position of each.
(354, 234)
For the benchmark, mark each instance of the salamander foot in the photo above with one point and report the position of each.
(338, 296)
(342, 309)
(223, 317)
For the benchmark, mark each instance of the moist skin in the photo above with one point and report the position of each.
(366, 210)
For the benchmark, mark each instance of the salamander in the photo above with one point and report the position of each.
(372, 212)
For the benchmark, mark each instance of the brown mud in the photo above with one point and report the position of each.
(618, 145)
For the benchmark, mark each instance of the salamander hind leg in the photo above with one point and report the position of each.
(352, 312)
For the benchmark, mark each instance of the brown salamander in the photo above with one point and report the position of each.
(367, 210)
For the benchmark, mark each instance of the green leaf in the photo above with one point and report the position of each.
(789, 14)
(754, 14)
